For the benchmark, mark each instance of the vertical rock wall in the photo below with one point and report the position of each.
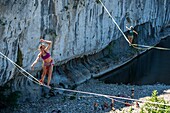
(76, 27)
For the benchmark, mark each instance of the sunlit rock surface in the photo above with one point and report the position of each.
(86, 43)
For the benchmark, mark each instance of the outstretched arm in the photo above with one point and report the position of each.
(127, 28)
(38, 57)
(135, 32)
(48, 42)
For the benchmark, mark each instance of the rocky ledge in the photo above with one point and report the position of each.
(68, 102)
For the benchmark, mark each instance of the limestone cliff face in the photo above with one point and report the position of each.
(77, 28)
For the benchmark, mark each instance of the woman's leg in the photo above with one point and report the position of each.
(43, 74)
(49, 74)
(130, 38)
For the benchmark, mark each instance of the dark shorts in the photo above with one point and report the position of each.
(131, 36)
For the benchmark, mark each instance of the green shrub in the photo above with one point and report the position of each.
(155, 108)
(131, 110)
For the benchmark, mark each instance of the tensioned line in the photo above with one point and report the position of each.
(90, 93)
(19, 67)
(76, 91)
(134, 45)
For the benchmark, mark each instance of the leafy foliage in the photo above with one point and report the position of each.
(131, 110)
(155, 108)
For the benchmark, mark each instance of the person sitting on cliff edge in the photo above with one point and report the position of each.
(47, 61)
(131, 33)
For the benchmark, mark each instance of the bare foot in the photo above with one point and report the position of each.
(41, 81)
(49, 86)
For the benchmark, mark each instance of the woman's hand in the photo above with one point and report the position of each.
(42, 40)
(32, 67)
(46, 41)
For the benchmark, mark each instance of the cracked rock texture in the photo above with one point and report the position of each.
(86, 43)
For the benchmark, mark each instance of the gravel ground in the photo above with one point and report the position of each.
(81, 103)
